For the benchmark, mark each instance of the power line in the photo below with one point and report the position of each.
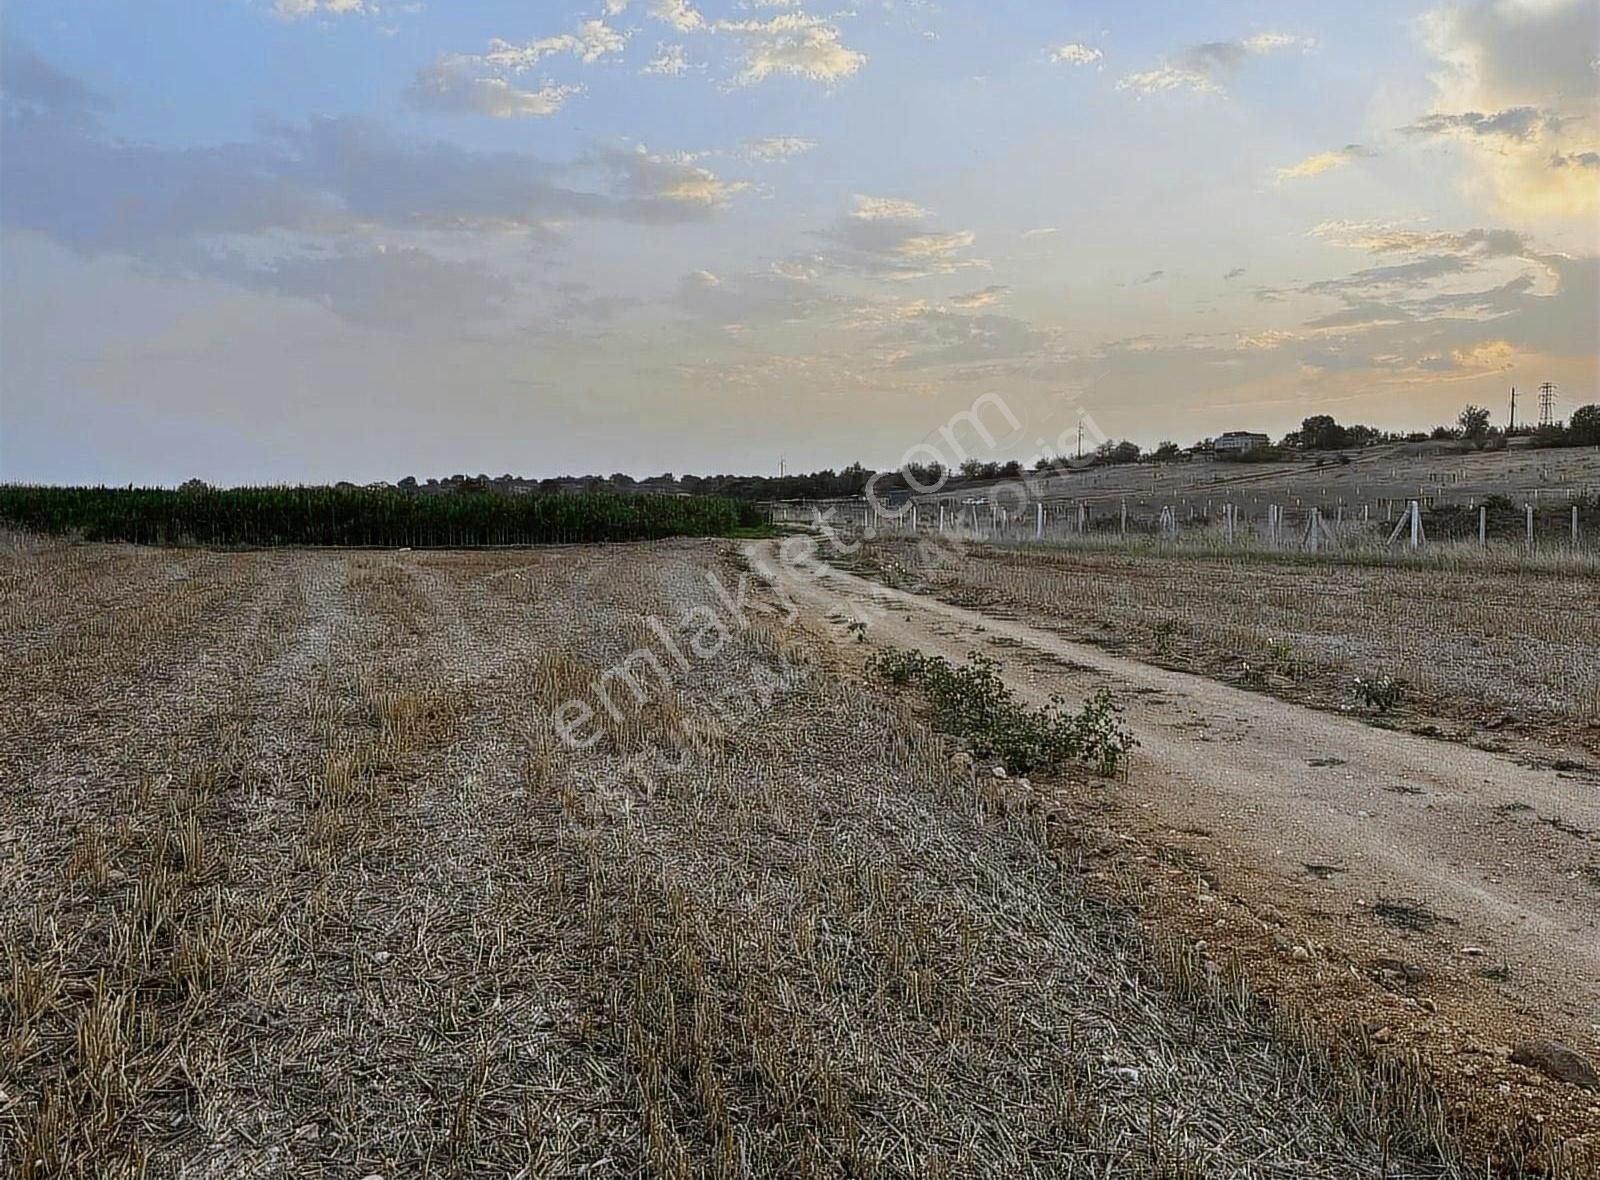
(1547, 403)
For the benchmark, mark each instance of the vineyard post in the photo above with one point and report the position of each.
(1574, 526)
(913, 518)
(1483, 526)
(1529, 513)
(941, 516)
(1124, 518)
(1416, 525)
(1038, 520)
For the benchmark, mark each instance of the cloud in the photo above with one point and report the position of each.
(680, 14)
(1154, 276)
(1418, 273)
(29, 81)
(987, 297)
(777, 148)
(654, 178)
(445, 89)
(886, 209)
(1202, 67)
(1233, 274)
(1316, 165)
(1382, 238)
(1075, 54)
(1516, 123)
(1040, 231)
(1575, 160)
(479, 83)
(889, 238)
(793, 44)
(401, 289)
(670, 61)
(295, 211)
(1515, 90)
(299, 9)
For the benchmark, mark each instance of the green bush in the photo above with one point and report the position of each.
(973, 702)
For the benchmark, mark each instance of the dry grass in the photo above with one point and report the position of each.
(326, 897)
(1522, 643)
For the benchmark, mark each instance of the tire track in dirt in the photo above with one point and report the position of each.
(1406, 816)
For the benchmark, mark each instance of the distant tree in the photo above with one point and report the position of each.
(1474, 423)
(1009, 469)
(408, 484)
(1361, 436)
(194, 486)
(1321, 433)
(1111, 451)
(1441, 433)
(1583, 429)
(1167, 450)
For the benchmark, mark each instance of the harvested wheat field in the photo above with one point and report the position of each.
(302, 883)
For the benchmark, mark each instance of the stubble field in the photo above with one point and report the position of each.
(302, 882)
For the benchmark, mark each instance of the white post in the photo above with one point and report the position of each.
(1483, 526)
(1038, 521)
(1416, 524)
(1124, 518)
(1574, 526)
(1529, 508)
(941, 516)
(913, 517)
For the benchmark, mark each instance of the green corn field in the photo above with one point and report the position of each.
(266, 516)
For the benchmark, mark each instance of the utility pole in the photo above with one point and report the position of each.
(1547, 403)
(1513, 423)
(1080, 440)
(782, 472)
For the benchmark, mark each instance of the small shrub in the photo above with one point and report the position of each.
(1381, 693)
(973, 702)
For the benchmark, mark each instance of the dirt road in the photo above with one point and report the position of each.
(1496, 850)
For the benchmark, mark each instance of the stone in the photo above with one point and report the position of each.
(999, 772)
(961, 760)
(1300, 954)
(1557, 1061)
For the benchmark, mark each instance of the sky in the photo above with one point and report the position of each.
(309, 240)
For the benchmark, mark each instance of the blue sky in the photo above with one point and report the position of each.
(319, 239)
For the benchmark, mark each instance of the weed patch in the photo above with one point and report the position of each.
(973, 702)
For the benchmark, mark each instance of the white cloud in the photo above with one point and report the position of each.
(670, 61)
(1040, 231)
(777, 148)
(886, 209)
(1075, 54)
(1201, 68)
(593, 41)
(793, 44)
(296, 9)
(449, 87)
(680, 14)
